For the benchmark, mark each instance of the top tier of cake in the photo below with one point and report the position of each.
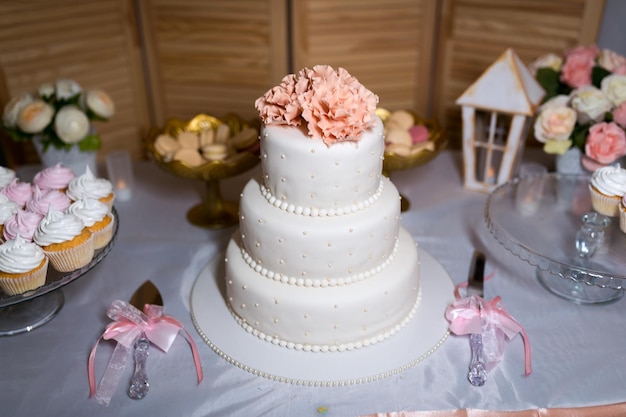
(306, 175)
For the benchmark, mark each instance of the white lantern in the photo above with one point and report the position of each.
(497, 113)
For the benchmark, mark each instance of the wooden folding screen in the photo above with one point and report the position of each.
(387, 45)
(212, 57)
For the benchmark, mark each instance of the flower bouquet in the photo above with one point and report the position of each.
(585, 104)
(58, 115)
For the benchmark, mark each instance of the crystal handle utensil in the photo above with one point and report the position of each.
(477, 374)
(478, 371)
(139, 385)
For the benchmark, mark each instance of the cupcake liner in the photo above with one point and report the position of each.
(103, 236)
(70, 259)
(604, 204)
(20, 283)
(622, 218)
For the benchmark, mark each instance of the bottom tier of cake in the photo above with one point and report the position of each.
(333, 318)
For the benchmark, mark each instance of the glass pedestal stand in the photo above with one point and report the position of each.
(578, 255)
(29, 315)
(25, 312)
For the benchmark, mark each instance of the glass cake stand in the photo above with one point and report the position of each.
(25, 312)
(546, 228)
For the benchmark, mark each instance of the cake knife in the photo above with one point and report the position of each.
(475, 283)
(147, 293)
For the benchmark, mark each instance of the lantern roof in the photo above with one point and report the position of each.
(507, 86)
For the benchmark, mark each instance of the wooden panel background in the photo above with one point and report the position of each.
(93, 42)
(209, 56)
(386, 45)
(474, 33)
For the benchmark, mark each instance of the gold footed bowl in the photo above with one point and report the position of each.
(236, 157)
(399, 157)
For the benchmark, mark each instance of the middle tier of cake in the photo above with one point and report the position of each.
(318, 251)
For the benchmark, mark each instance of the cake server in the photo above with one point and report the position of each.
(477, 370)
(147, 293)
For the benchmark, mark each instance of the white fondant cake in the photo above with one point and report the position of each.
(320, 261)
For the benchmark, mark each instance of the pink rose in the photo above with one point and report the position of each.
(605, 142)
(612, 61)
(576, 71)
(619, 115)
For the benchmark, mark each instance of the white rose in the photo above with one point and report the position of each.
(555, 123)
(556, 101)
(610, 60)
(590, 103)
(46, 90)
(71, 124)
(100, 103)
(614, 88)
(552, 61)
(67, 88)
(13, 109)
(35, 116)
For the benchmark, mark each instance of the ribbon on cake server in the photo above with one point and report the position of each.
(475, 315)
(128, 324)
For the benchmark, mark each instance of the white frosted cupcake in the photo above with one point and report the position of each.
(23, 266)
(607, 187)
(6, 176)
(65, 240)
(97, 218)
(8, 209)
(88, 186)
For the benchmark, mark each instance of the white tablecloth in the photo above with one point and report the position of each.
(578, 352)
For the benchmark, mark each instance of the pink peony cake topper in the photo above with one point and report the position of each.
(331, 104)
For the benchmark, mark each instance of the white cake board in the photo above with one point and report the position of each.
(410, 346)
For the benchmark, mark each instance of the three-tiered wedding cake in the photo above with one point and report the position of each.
(320, 261)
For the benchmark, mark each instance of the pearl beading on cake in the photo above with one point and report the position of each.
(342, 347)
(315, 282)
(317, 212)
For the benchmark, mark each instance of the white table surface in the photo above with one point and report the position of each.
(578, 352)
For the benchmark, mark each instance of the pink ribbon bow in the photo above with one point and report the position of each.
(129, 323)
(475, 315)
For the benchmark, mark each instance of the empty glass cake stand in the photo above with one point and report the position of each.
(545, 229)
(25, 312)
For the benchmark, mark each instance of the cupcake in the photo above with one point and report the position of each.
(607, 187)
(8, 209)
(56, 177)
(97, 218)
(622, 214)
(88, 186)
(6, 176)
(23, 223)
(65, 240)
(23, 266)
(42, 199)
(18, 191)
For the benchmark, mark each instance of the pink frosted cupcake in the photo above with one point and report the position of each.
(23, 266)
(607, 187)
(42, 199)
(65, 240)
(6, 176)
(23, 223)
(18, 191)
(97, 218)
(88, 186)
(56, 177)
